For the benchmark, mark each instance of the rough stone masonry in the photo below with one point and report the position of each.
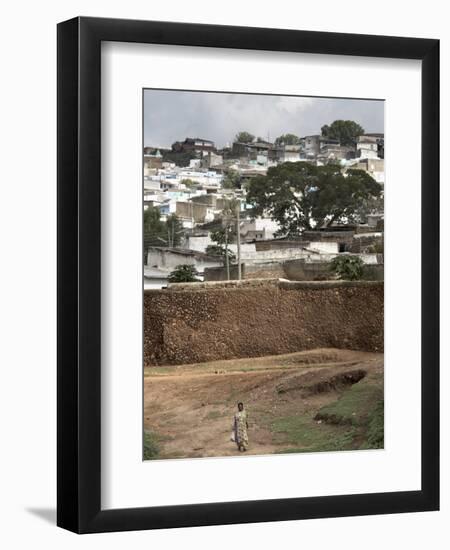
(192, 323)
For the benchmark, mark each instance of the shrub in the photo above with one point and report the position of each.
(350, 268)
(151, 448)
(183, 273)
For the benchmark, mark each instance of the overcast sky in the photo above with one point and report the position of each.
(173, 115)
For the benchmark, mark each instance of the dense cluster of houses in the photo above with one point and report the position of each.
(192, 180)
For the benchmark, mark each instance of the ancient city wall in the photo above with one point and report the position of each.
(208, 321)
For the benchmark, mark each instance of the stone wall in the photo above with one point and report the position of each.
(265, 271)
(193, 322)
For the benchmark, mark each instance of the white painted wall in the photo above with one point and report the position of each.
(290, 156)
(367, 149)
(369, 259)
(316, 251)
(154, 284)
(152, 184)
(367, 153)
(267, 225)
(324, 247)
(249, 254)
(198, 243)
(167, 260)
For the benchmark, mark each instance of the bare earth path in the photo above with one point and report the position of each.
(190, 407)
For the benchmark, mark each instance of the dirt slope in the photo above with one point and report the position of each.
(190, 407)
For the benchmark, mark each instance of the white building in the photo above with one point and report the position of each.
(208, 178)
(290, 153)
(165, 260)
(373, 166)
(198, 242)
(258, 229)
(152, 183)
(367, 147)
(154, 278)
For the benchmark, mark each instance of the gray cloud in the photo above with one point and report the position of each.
(173, 115)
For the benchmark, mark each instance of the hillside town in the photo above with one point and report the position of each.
(200, 213)
(263, 276)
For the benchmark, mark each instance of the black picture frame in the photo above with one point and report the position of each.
(79, 281)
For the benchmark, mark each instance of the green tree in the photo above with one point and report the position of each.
(174, 229)
(184, 273)
(189, 183)
(346, 131)
(350, 268)
(372, 206)
(159, 233)
(231, 180)
(224, 235)
(287, 139)
(376, 248)
(244, 137)
(219, 251)
(222, 238)
(155, 233)
(301, 196)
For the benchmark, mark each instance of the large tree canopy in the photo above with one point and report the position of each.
(287, 139)
(346, 131)
(301, 196)
(244, 137)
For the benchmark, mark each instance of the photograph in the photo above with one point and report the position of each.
(263, 269)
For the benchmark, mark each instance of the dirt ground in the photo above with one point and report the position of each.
(190, 408)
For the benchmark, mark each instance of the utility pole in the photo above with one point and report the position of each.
(227, 260)
(238, 238)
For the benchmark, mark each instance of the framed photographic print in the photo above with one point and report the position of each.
(248, 258)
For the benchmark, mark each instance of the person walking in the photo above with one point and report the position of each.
(240, 428)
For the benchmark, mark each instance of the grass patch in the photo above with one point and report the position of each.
(152, 444)
(362, 407)
(151, 447)
(375, 428)
(310, 436)
(353, 406)
(354, 421)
